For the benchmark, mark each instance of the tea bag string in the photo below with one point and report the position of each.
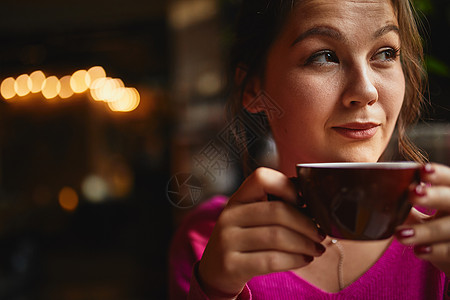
(340, 266)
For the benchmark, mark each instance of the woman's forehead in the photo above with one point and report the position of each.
(336, 8)
(341, 12)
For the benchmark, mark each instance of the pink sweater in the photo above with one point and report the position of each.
(398, 274)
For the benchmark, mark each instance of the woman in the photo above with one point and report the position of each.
(346, 74)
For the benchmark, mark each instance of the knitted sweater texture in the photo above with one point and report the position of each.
(398, 273)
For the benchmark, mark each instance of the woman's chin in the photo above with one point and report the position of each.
(355, 155)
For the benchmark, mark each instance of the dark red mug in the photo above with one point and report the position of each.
(357, 201)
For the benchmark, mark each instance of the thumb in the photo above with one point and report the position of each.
(263, 182)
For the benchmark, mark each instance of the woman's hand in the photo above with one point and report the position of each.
(430, 235)
(254, 236)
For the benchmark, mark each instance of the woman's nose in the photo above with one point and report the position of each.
(360, 89)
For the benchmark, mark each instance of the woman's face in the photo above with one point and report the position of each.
(335, 72)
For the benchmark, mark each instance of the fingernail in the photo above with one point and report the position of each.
(308, 258)
(420, 190)
(320, 248)
(428, 169)
(405, 233)
(423, 249)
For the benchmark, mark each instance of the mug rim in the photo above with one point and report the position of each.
(362, 165)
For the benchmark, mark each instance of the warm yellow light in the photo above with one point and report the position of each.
(80, 81)
(68, 198)
(114, 88)
(129, 100)
(96, 73)
(118, 83)
(22, 85)
(51, 87)
(66, 91)
(107, 90)
(118, 94)
(96, 87)
(7, 88)
(37, 79)
(104, 89)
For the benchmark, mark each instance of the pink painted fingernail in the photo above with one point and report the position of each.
(405, 233)
(428, 169)
(420, 190)
(422, 249)
(320, 248)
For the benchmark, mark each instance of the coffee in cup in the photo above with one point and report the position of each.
(358, 201)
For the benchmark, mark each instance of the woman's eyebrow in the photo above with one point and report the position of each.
(385, 29)
(320, 31)
(336, 35)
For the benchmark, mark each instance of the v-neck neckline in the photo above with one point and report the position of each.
(390, 251)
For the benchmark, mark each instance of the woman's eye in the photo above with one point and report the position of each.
(387, 54)
(323, 57)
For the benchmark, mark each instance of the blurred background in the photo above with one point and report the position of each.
(112, 128)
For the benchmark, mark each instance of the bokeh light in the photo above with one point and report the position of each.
(209, 84)
(95, 73)
(80, 81)
(129, 100)
(66, 90)
(7, 88)
(105, 89)
(68, 198)
(51, 87)
(37, 80)
(118, 85)
(94, 81)
(115, 89)
(22, 85)
(97, 88)
(95, 188)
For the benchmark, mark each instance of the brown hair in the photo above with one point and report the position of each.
(415, 77)
(260, 21)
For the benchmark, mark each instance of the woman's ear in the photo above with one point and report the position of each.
(252, 89)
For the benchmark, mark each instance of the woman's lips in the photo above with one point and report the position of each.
(357, 131)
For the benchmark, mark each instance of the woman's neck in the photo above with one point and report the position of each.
(343, 263)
